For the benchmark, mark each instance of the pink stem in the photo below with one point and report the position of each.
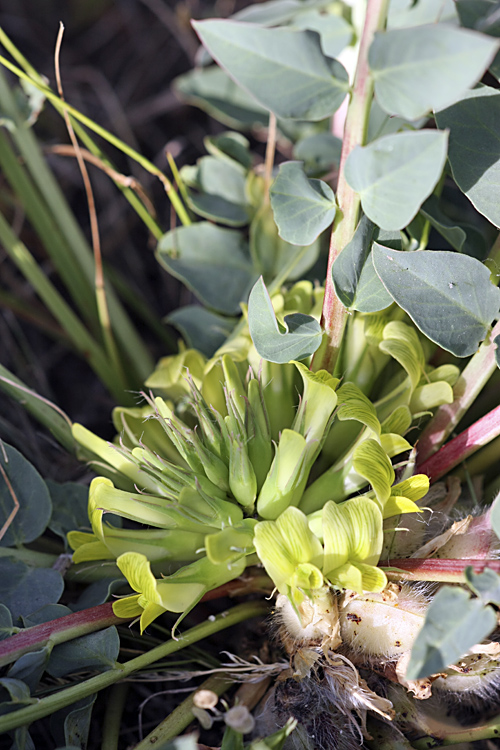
(452, 571)
(457, 450)
(58, 631)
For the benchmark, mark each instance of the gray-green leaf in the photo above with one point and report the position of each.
(302, 208)
(427, 67)
(474, 150)
(303, 336)
(454, 622)
(448, 296)
(284, 70)
(395, 174)
(486, 585)
(24, 485)
(201, 328)
(356, 284)
(212, 261)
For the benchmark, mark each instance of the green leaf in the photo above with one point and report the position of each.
(231, 146)
(30, 491)
(496, 341)
(6, 627)
(303, 336)
(213, 262)
(92, 651)
(356, 284)
(277, 12)
(284, 70)
(334, 31)
(448, 296)
(495, 513)
(446, 227)
(212, 90)
(24, 589)
(395, 174)
(454, 622)
(201, 329)
(318, 152)
(481, 15)
(302, 208)
(408, 13)
(70, 725)
(30, 667)
(474, 150)
(69, 507)
(222, 191)
(486, 585)
(427, 67)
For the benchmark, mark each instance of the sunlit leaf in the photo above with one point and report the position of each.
(427, 67)
(395, 174)
(300, 341)
(284, 70)
(474, 148)
(454, 622)
(448, 296)
(302, 207)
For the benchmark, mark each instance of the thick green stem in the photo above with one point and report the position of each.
(113, 716)
(488, 731)
(182, 716)
(66, 697)
(334, 314)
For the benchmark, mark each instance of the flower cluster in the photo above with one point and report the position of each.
(217, 467)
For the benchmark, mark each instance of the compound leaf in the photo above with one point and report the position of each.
(448, 296)
(300, 341)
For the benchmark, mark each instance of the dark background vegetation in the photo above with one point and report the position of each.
(118, 60)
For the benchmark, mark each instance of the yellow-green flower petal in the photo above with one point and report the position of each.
(398, 504)
(371, 462)
(128, 606)
(367, 532)
(414, 488)
(150, 612)
(137, 570)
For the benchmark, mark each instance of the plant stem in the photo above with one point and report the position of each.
(113, 716)
(58, 631)
(491, 730)
(67, 696)
(334, 315)
(457, 450)
(182, 716)
(444, 571)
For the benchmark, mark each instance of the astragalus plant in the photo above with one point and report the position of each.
(306, 445)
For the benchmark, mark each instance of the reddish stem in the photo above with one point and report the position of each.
(452, 571)
(58, 631)
(457, 450)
